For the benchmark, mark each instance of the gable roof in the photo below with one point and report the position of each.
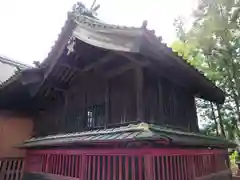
(140, 40)
(92, 31)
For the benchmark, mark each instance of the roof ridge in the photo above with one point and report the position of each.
(14, 63)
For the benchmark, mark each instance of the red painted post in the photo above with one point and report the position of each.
(48, 163)
(175, 173)
(53, 164)
(153, 171)
(72, 166)
(84, 169)
(7, 169)
(104, 167)
(170, 168)
(18, 170)
(178, 162)
(148, 168)
(202, 165)
(69, 166)
(185, 167)
(57, 164)
(76, 166)
(140, 168)
(209, 165)
(163, 167)
(94, 168)
(127, 168)
(114, 167)
(63, 164)
(190, 167)
(89, 167)
(133, 168)
(98, 168)
(120, 168)
(109, 168)
(159, 173)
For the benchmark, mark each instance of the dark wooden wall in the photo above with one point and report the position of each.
(164, 103)
(167, 103)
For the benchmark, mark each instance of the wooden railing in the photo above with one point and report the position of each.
(11, 168)
(128, 164)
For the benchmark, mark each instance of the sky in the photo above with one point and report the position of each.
(29, 28)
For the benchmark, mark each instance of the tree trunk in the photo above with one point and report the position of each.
(220, 120)
(214, 118)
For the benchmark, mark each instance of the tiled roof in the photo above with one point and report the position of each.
(80, 24)
(133, 40)
(8, 68)
(140, 131)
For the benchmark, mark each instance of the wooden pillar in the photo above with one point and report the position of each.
(139, 93)
(160, 102)
(65, 118)
(107, 104)
(85, 112)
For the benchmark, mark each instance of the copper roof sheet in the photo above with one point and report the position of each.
(142, 131)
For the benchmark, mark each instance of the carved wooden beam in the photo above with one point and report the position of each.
(69, 67)
(59, 89)
(120, 70)
(134, 60)
(76, 57)
(101, 61)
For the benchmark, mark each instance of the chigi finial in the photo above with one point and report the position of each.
(79, 8)
(144, 24)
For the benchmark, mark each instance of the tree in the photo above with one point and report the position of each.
(213, 46)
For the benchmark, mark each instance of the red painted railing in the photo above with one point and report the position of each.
(11, 168)
(128, 164)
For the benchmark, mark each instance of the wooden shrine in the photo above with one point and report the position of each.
(105, 87)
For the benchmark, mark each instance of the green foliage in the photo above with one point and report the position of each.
(233, 158)
(213, 46)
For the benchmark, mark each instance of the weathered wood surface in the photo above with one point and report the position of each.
(103, 88)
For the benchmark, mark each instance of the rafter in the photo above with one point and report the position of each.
(120, 70)
(134, 60)
(69, 67)
(103, 60)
